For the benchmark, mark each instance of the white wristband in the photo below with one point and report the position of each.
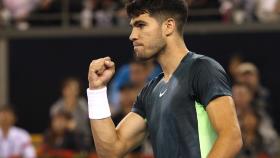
(98, 106)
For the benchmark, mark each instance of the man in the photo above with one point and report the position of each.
(249, 75)
(188, 110)
(14, 142)
(72, 102)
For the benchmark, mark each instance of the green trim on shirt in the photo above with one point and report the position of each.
(207, 134)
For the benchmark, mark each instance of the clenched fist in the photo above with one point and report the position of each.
(100, 72)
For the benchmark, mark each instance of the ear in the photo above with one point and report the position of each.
(169, 26)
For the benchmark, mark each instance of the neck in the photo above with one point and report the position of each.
(70, 103)
(171, 56)
(5, 131)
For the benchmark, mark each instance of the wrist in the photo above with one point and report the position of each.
(98, 106)
(92, 87)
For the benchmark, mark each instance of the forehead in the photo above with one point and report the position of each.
(142, 17)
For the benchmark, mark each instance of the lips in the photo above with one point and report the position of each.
(137, 47)
(137, 44)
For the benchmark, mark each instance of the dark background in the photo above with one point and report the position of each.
(38, 65)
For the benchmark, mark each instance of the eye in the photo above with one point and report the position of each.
(140, 25)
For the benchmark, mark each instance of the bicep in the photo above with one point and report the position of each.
(222, 114)
(132, 131)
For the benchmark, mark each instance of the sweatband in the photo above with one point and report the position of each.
(98, 106)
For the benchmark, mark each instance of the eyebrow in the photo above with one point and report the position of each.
(136, 23)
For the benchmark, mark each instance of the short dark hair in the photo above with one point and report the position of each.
(177, 9)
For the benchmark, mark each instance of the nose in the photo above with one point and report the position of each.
(133, 35)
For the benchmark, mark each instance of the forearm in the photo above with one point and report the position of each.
(106, 138)
(227, 145)
(111, 142)
(103, 129)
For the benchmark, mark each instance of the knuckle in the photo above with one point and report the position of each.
(93, 61)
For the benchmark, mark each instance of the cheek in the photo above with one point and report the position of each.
(156, 42)
(152, 40)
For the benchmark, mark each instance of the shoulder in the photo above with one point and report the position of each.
(58, 103)
(82, 104)
(19, 134)
(203, 63)
(193, 60)
(57, 106)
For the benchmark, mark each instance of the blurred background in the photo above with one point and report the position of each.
(46, 47)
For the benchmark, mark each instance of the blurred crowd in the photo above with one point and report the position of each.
(253, 104)
(69, 135)
(109, 13)
(240, 11)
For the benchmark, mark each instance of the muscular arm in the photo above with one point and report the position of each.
(114, 142)
(222, 114)
(110, 142)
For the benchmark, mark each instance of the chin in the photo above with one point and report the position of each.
(141, 57)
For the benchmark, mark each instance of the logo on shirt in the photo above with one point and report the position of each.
(162, 93)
